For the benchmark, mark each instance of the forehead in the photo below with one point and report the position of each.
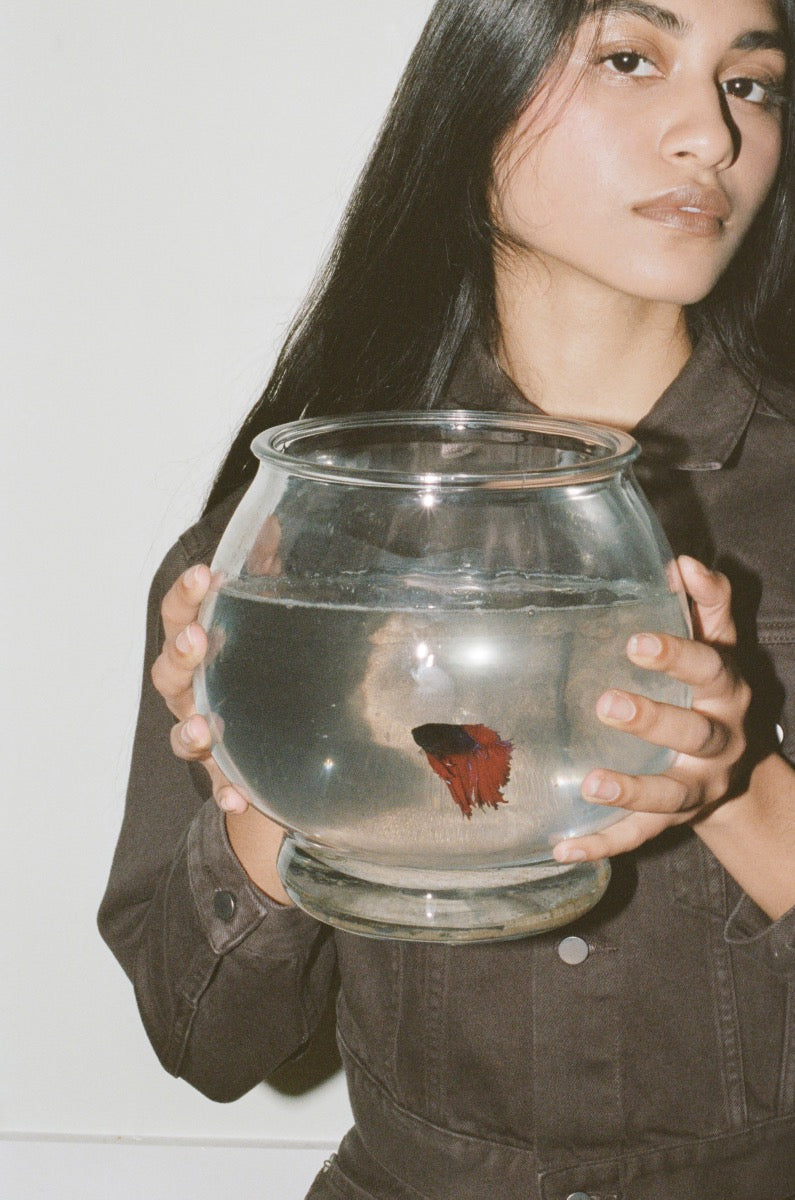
(680, 16)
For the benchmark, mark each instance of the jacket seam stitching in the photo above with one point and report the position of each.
(786, 1094)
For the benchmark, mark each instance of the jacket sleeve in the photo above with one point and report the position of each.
(229, 983)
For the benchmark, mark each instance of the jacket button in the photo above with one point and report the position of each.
(578, 1196)
(224, 905)
(574, 950)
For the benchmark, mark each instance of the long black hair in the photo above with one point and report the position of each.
(411, 275)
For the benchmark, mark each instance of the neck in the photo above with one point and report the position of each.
(582, 351)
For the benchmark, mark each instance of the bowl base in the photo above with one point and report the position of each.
(493, 904)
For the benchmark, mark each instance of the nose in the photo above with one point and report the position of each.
(700, 127)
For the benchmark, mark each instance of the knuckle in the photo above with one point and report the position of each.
(682, 799)
(672, 650)
(157, 674)
(638, 715)
(189, 738)
(724, 584)
(178, 746)
(718, 787)
(185, 581)
(705, 742)
(164, 681)
(739, 745)
(714, 738)
(170, 607)
(715, 672)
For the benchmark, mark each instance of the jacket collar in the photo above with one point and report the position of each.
(696, 424)
(699, 420)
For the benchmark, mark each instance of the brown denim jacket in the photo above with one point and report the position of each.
(660, 1066)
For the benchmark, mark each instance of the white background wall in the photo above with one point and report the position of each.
(172, 171)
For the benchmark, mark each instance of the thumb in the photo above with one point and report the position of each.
(711, 594)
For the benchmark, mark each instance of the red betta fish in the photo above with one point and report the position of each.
(472, 760)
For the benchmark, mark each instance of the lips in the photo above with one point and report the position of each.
(696, 210)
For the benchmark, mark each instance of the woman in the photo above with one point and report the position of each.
(587, 209)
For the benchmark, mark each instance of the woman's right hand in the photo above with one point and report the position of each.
(183, 650)
(254, 838)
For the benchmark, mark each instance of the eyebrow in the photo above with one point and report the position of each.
(671, 22)
(763, 39)
(663, 18)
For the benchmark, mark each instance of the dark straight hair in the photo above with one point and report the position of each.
(411, 276)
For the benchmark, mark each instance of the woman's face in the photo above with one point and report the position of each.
(642, 166)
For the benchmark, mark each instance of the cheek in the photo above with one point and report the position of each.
(598, 163)
(544, 184)
(756, 170)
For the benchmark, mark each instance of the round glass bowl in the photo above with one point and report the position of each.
(412, 618)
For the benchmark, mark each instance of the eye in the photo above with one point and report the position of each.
(629, 62)
(753, 91)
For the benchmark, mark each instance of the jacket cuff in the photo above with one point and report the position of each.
(230, 906)
(749, 927)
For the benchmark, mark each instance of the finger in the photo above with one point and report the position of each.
(181, 602)
(711, 595)
(629, 833)
(701, 667)
(172, 670)
(192, 742)
(683, 730)
(190, 739)
(639, 793)
(228, 798)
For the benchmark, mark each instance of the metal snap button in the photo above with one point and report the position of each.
(573, 951)
(224, 905)
(578, 1196)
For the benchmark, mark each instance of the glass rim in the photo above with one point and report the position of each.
(612, 450)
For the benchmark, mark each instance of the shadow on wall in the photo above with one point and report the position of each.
(317, 1063)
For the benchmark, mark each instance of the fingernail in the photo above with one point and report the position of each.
(184, 641)
(698, 567)
(598, 787)
(567, 854)
(228, 800)
(193, 577)
(645, 645)
(189, 733)
(617, 707)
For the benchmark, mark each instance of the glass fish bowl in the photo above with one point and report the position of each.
(411, 620)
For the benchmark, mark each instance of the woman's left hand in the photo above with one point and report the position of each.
(708, 738)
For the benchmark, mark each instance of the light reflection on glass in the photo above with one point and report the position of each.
(480, 654)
